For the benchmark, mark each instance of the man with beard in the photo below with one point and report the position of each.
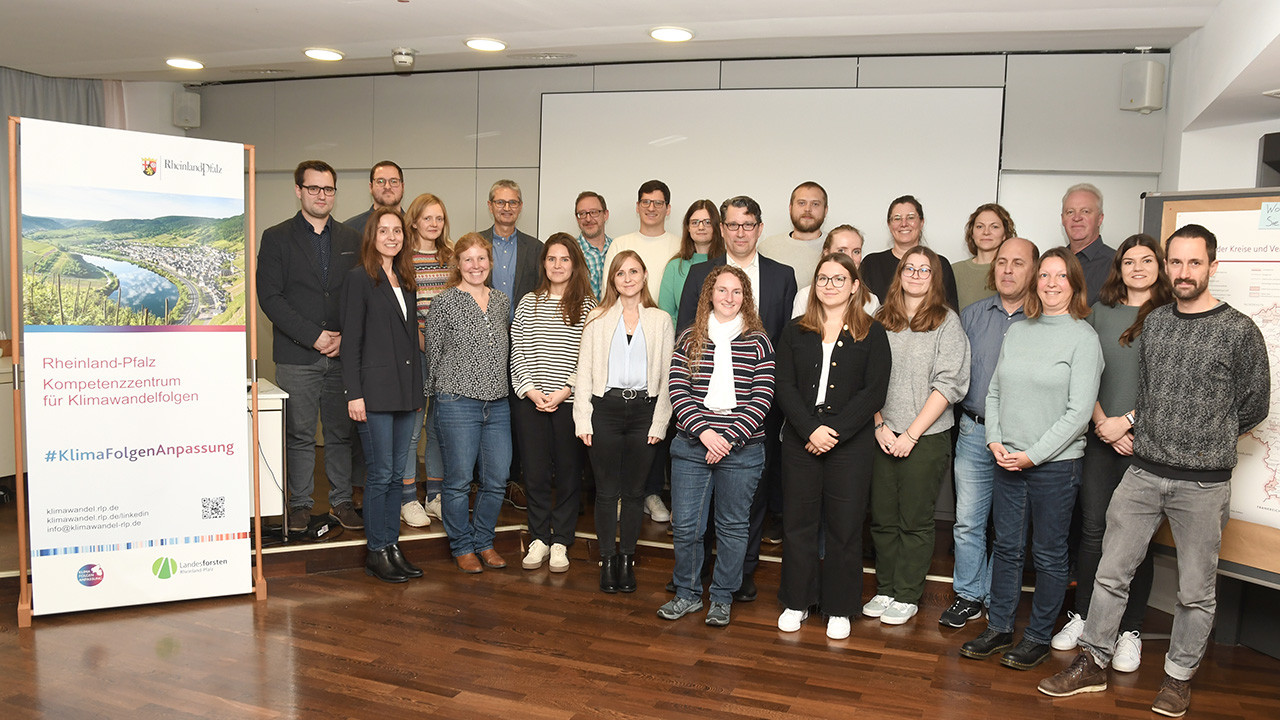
(592, 213)
(386, 185)
(802, 247)
(1203, 380)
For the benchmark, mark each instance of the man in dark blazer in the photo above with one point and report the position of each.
(774, 287)
(386, 187)
(515, 254)
(302, 263)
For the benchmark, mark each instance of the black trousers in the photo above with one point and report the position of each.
(552, 458)
(824, 494)
(620, 458)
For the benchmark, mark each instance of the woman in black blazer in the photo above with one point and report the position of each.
(833, 372)
(382, 376)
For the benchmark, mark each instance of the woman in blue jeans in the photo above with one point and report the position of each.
(1038, 407)
(467, 349)
(1137, 285)
(382, 378)
(722, 378)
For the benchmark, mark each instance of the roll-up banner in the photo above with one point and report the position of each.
(133, 288)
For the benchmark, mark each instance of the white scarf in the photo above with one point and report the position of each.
(722, 396)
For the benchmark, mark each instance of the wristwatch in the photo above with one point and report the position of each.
(1129, 416)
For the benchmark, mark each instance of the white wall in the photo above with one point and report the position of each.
(149, 107)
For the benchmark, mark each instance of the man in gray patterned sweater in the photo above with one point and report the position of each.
(1204, 380)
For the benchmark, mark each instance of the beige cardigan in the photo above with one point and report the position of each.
(593, 364)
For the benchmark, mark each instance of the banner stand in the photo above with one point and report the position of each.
(24, 605)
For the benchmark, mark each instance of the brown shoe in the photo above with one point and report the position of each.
(492, 559)
(469, 563)
(1081, 676)
(346, 515)
(1174, 697)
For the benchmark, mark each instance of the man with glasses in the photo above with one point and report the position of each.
(302, 263)
(652, 242)
(1082, 221)
(515, 254)
(773, 287)
(802, 247)
(592, 213)
(386, 185)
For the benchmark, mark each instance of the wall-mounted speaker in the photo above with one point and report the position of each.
(186, 109)
(1142, 86)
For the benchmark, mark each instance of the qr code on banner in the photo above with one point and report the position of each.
(213, 508)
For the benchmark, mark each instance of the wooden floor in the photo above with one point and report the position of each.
(514, 644)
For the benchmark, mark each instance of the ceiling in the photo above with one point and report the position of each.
(253, 39)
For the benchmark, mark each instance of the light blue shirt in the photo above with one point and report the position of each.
(504, 265)
(985, 323)
(628, 367)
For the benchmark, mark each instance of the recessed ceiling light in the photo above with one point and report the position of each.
(185, 63)
(671, 34)
(486, 44)
(324, 54)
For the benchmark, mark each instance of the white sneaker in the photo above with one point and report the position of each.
(1128, 654)
(559, 558)
(413, 514)
(536, 555)
(791, 620)
(656, 511)
(898, 613)
(1069, 636)
(876, 607)
(837, 627)
(433, 508)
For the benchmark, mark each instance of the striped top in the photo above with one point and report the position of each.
(431, 276)
(753, 382)
(544, 351)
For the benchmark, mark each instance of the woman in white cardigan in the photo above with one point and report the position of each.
(622, 407)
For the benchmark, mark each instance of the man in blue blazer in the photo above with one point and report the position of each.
(302, 263)
(515, 254)
(774, 287)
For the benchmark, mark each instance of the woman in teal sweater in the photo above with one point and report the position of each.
(1038, 408)
(701, 242)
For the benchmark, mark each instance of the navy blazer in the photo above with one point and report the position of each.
(528, 249)
(776, 294)
(380, 360)
(290, 292)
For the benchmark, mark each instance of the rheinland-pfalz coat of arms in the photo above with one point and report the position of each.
(148, 166)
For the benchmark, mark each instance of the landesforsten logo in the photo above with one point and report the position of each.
(164, 568)
(90, 575)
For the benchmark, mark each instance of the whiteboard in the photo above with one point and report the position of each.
(866, 146)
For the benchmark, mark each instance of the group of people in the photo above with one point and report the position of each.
(1112, 375)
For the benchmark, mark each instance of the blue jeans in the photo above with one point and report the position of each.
(1197, 512)
(385, 436)
(470, 431)
(974, 471)
(1044, 497)
(316, 391)
(733, 481)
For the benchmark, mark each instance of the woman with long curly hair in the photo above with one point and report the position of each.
(621, 408)
(545, 337)
(1137, 285)
(721, 389)
(930, 373)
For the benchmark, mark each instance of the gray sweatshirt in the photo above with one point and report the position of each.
(924, 362)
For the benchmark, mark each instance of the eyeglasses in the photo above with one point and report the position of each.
(748, 226)
(317, 189)
(653, 203)
(385, 182)
(835, 281)
(917, 271)
(909, 217)
(699, 223)
(506, 203)
(583, 214)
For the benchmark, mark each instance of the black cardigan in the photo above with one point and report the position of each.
(856, 385)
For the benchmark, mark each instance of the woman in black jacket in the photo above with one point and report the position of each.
(382, 376)
(833, 372)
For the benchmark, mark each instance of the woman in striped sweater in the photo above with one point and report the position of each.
(721, 390)
(544, 360)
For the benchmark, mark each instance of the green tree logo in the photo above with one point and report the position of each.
(164, 568)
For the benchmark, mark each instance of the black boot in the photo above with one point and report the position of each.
(609, 574)
(402, 564)
(379, 565)
(627, 573)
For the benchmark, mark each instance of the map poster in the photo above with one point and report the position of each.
(134, 364)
